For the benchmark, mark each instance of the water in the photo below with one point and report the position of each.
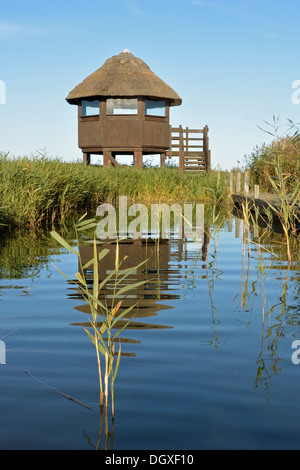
(206, 364)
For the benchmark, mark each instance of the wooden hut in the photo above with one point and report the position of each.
(123, 109)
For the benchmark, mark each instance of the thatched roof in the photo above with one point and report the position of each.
(123, 75)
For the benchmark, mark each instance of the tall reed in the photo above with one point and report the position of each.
(104, 319)
(281, 168)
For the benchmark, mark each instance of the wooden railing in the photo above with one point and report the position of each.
(192, 148)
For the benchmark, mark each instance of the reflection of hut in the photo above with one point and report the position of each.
(123, 108)
(162, 271)
(154, 269)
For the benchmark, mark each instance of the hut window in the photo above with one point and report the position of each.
(90, 108)
(155, 108)
(122, 106)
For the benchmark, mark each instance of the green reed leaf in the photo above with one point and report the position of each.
(63, 242)
(130, 287)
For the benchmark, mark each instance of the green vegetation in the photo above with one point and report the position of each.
(104, 318)
(276, 168)
(280, 159)
(40, 190)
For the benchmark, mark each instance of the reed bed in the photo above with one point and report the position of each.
(39, 190)
(277, 162)
(276, 168)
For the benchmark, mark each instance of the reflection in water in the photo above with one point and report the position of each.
(160, 271)
(163, 273)
(268, 251)
(171, 269)
(24, 254)
(175, 270)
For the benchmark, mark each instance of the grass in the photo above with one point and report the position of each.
(40, 190)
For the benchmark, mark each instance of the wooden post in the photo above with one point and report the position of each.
(138, 159)
(231, 182)
(246, 182)
(106, 159)
(170, 141)
(163, 159)
(109, 159)
(256, 191)
(181, 150)
(238, 181)
(206, 150)
(187, 139)
(237, 227)
(86, 158)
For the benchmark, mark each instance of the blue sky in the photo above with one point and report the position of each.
(233, 62)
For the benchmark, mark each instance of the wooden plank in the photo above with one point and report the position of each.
(194, 159)
(194, 165)
(181, 151)
(196, 154)
(191, 146)
(194, 131)
(195, 147)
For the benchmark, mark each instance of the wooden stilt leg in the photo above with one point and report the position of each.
(106, 159)
(109, 158)
(86, 158)
(162, 159)
(138, 159)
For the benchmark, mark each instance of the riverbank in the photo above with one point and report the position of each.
(39, 190)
